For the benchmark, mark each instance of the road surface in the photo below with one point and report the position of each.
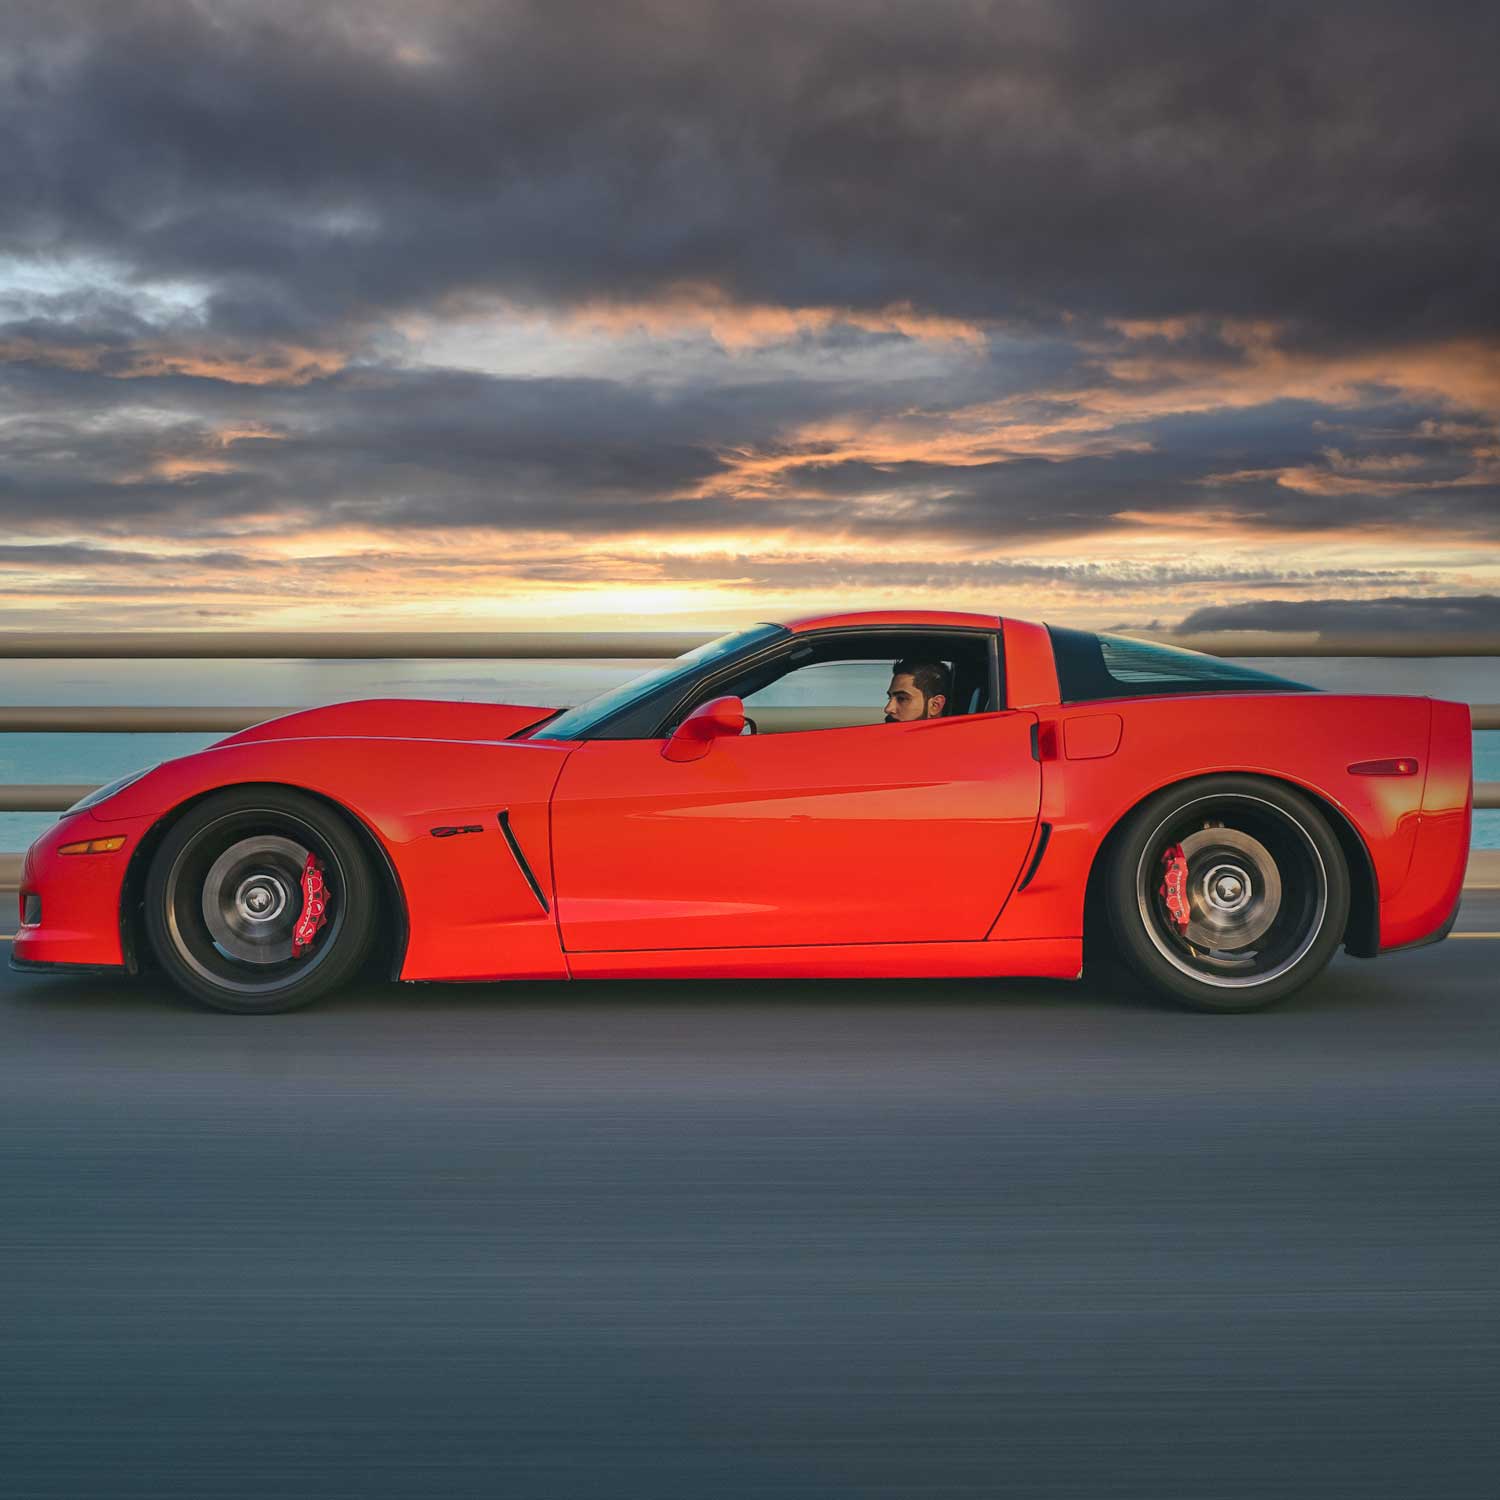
(718, 1240)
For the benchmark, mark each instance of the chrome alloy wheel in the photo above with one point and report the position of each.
(234, 897)
(1231, 891)
(252, 897)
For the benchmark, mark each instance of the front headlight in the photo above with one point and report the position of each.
(99, 794)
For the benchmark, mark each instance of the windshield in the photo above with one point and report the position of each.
(579, 723)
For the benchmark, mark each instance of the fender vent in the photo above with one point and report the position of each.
(1036, 859)
(520, 859)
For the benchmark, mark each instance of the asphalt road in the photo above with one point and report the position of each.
(720, 1240)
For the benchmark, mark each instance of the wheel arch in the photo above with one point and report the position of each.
(1362, 929)
(390, 951)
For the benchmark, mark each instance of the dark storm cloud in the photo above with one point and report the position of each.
(1327, 166)
(225, 213)
(1284, 474)
(440, 449)
(432, 448)
(1476, 613)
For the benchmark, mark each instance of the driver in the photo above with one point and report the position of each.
(919, 690)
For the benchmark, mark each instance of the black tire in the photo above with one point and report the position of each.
(223, 895)
(1264, 901)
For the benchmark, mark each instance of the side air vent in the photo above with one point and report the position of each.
(520, 859)
(1041, 848)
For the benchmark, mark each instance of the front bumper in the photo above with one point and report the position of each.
(43, 966)
(80, 897)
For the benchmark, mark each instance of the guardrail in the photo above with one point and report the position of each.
(513, 646)
(349, 645)
(573, 645)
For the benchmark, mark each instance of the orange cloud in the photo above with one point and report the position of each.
(737, 325)
(276, 364)
(225, 437)
(183, 467)
(694, 307)
(1379, 474)
(1151, 383)
(284, 364)
(1155, 382)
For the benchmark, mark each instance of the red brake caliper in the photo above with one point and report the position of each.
(1174, 886)
(314, 900)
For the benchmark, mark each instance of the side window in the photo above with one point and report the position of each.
(822, 695)
(1091, 667)
(842, 680)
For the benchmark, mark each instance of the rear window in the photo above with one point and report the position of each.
(1110, 666)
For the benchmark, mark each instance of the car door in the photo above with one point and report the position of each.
(883, 833)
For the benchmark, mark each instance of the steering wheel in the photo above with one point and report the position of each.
(751, 727)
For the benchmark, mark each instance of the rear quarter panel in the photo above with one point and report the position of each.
(1434, 881)
(1099, 760)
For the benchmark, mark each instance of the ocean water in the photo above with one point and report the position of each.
(96, 758)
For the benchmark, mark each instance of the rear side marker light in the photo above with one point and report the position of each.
(95, 846)
(1401, 765)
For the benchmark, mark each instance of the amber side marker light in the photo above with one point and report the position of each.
(1402, 765)
(95, 846)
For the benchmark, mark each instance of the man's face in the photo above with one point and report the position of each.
(907, 701)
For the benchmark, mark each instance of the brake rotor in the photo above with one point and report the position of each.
(253, 898)
(1232, 889)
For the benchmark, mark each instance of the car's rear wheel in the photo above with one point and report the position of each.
(1227, 893)
(260, 899)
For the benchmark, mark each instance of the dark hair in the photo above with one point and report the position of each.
(930, 678)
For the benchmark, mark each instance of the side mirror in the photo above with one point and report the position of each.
(715, 720)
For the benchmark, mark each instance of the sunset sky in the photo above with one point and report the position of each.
(473, 315)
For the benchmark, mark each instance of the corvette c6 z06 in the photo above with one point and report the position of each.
(747, 809)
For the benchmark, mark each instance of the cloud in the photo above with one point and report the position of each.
(771, 572)
(862, 460)
(850, 291)
(72, 555)
(1476, 614)
(319, 165)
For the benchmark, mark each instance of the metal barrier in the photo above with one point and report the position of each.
(513, 646)
(572, 645)
(348, 645)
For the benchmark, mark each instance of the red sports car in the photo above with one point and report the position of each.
(769, 805)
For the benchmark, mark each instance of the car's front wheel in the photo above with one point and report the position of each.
(260, 899)
(1227, 893)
